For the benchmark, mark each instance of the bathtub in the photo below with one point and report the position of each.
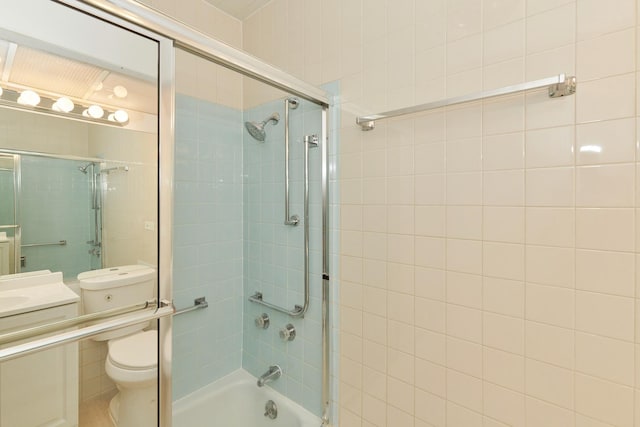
(236, 401)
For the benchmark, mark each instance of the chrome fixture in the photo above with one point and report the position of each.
(256, 129)
(262, 321)
(58, 243)
(289, 103)
(76, 109)
(272, 374)
(299, 311)
(558, 86)
(83, 168)
(198, 303)
(288, 333)
(271, 410)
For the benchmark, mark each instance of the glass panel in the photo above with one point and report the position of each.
(78, 213)
(231, 242)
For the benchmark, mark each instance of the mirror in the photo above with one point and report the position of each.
(78, 196)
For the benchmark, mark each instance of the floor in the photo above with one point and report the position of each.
(95, 413)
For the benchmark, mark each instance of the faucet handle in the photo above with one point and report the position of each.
(262, 321)
(288, 333)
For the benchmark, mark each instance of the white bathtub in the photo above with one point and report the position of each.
(236, 401)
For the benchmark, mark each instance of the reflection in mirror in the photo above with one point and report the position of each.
(78, 210)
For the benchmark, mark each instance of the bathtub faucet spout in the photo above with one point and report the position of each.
(272, 374)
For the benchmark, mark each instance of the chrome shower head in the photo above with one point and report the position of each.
(83, 168)
(256, 129)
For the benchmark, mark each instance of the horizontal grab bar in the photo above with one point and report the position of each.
(3, 227)
(69, 323)
(33, 245)
(558, 86)
(165, 309)
(198, 303)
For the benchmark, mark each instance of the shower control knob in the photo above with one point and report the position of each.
(262, 321)
(288, 333)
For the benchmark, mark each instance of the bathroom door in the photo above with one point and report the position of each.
(81, 103)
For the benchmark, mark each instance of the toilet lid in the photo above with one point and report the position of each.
(137, 351)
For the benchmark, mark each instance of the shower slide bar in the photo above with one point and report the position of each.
(138, 313)
(558, 86)
(33, 245)
(289, 103)
(298, 311)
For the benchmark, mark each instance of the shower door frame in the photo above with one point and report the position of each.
(195, 42)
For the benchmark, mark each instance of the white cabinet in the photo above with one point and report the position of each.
(40, 389)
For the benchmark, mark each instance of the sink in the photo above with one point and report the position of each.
(24, 293)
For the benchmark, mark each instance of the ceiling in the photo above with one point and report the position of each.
(23, 67)
(240, 9)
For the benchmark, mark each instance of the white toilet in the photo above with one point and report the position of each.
(132, 360)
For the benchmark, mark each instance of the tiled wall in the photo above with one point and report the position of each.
(207, 243)
(274, 252)
(55, 205)
(489, 251)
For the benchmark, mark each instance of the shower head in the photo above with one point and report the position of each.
(83, 168)
(256, 129)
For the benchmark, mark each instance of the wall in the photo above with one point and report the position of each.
(489, 250)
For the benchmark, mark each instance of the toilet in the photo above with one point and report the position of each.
(132, 359)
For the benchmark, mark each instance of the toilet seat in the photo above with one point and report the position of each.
(137, 352)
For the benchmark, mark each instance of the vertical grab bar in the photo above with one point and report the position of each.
(293, 104)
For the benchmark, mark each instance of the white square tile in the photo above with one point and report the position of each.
(503, 115)
(503, 333)
(550, 187)
(550, 383)
(503, 188)
(606, 185)
(430, 221)
(606, 272)
(430, 252)
(464, 289)
(550, 147)
(464, 222)
(605, 229)
(595, 18)
(607, 55)
(605, 358)
(464, 17)
(550, 305)
(607, 315)
(505, 405)
(464, 256)
(550, 344)
(504, 42)
(552, 29)
(504, 369)
(503, 296)
(501, 12)
(550, 226)
(606, 99)
(604, 400)
(464, 356)
(464, 390)
(503, 260)
(550, 266)
(464, 54)
(464, 155)
(464, 323)
(610, 141)
(464, 188)
(429, 189)
(503, 224)
(504, 151)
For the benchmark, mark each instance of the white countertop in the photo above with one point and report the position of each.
(26, 293)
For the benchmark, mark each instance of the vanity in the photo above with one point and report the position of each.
(39, 389)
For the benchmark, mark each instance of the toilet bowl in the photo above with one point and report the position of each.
(132, 359)
(132, 364)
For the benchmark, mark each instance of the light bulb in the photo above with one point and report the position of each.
(95, 111)
(63, 104)
(29, 97)
(121, 116)
(1, 91)
(120, 91)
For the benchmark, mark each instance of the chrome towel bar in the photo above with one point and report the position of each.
(558, 86)
(33, 245)
(198, 303)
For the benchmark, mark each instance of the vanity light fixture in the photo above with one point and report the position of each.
(62, 106)
(29, 97)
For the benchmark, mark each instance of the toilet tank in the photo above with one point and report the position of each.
(117, 287)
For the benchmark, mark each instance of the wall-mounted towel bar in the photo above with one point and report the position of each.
(558, 86)
(58, 243)
(198, 303)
